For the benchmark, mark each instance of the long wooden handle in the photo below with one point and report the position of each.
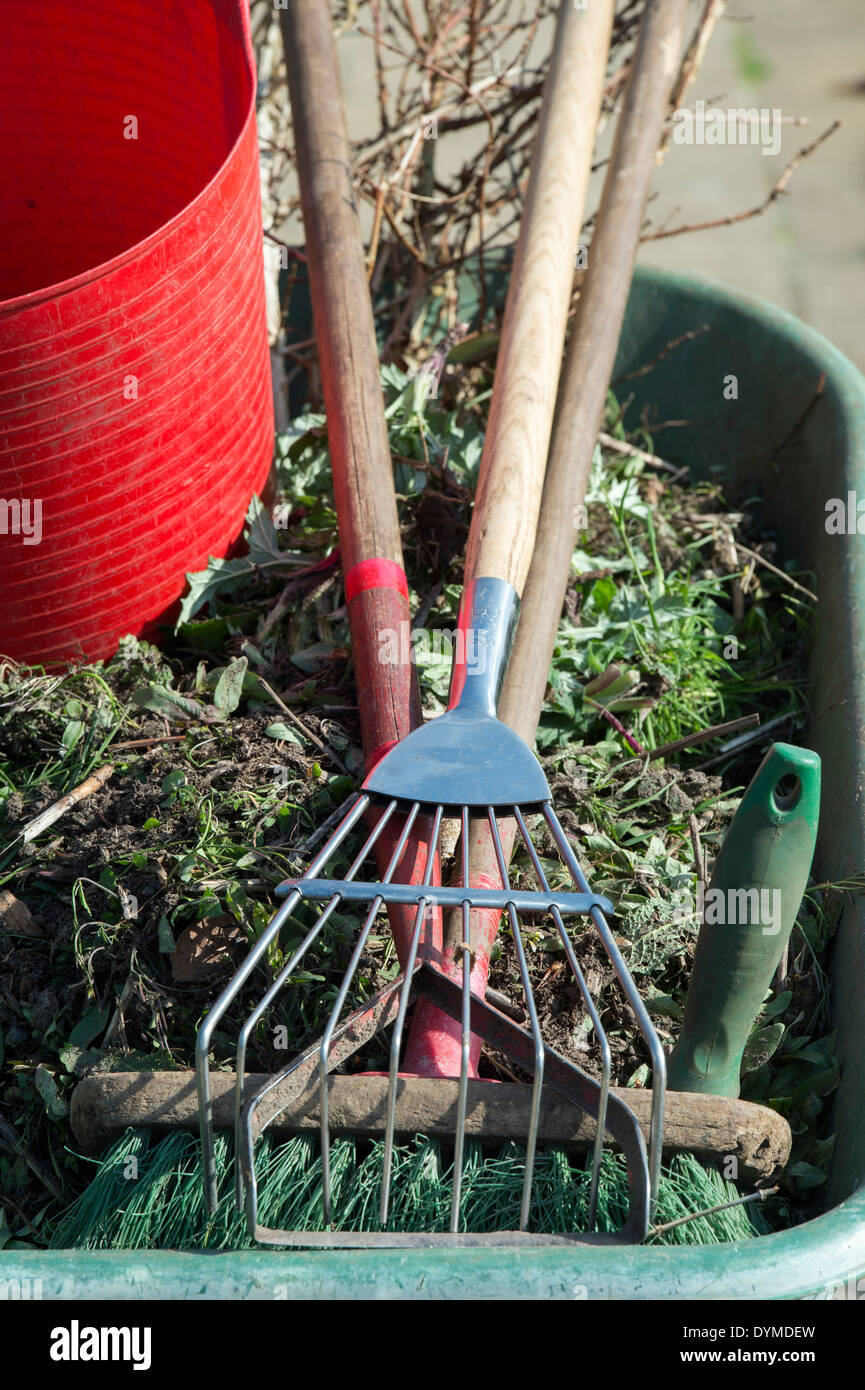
(503, 526)
(502, 535)
(375, 585)
(590, 357)
(582, 393)
(348, 357)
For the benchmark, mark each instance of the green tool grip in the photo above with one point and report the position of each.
(747, 916)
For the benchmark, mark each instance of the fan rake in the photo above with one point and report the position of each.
(469, 765)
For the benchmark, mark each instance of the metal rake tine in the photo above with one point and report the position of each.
(600, 1034)
(204, 1040)
(248, 1028)
(274, 988)
(537, 1039)
(335, 1012)
(393, 1074)
(659, 1061)
(399, 1024)
(466, 1042)
(538, 1081)
(606, 1068)
(324, 1124)
(248, 1161)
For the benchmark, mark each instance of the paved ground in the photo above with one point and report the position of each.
(807, 253)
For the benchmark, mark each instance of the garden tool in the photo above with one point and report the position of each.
(733, 966)
(591, 351)
(747, 915)
(582, 395)
(581, 41)
(376, 589)
(468, 764)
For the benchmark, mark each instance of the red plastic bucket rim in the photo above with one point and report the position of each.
(98, 272)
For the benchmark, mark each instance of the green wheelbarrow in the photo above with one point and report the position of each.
(795, 435)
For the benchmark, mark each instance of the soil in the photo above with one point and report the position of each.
(43, 981)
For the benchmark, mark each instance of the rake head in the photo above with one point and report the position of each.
(468, 764)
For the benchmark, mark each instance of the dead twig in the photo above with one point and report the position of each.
(324, 829)
(505, 1005)
(659, 356)
(779, 188)
(305, 730)
(782, 574)
(701, 862)
(821, 386)
(737, 744)
(117, 1022)
(620, 447)
(703, 522)
(761, 1194)
(148, 742)
(694, 54)
(747, 721)
(59, 808)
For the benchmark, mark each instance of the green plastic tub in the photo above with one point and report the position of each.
(796, 447)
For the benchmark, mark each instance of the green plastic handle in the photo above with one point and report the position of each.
(748, 913)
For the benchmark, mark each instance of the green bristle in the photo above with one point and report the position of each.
(163, 1206)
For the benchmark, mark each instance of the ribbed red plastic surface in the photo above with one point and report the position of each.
(135, 397)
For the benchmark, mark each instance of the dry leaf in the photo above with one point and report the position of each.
(203, 948)
(16, 916)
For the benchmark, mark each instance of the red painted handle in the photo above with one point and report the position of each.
(375, 584)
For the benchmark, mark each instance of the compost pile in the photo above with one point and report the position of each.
(235, 746)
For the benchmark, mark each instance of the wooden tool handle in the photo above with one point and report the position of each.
(590, 358)
(582, 394)
(348, 356)
(375, 587)
(579, 63)
(344, 328)
(502, 535)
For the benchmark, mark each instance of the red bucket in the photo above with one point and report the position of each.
(136, 416)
